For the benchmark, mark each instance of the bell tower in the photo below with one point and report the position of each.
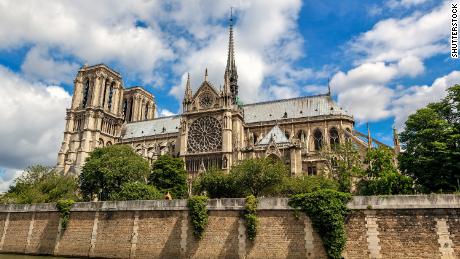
(95, 117)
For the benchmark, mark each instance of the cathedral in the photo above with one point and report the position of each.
(214, 130)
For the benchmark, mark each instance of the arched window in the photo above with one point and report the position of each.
(109, 143)
(288, 135)
(318, 138)
(334, 137)
(347, 135)
(111, 95)
(131, 110)
(125, 107)
(146, 111)
(105, 93)
(101, 142)
(255, 138)
(301, 135)
(85, 93)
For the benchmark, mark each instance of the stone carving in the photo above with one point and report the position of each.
(205, 134)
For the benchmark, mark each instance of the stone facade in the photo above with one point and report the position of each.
(378, 227)
(214, 130)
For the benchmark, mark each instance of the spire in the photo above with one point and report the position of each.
(188, 88)
(328, 87)
(206, 74)
(231, 75)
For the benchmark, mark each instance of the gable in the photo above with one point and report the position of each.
(276, 135)
(206, 97)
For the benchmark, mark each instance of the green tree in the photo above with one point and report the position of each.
(258, 176)
(382, 176)
(216, 184)
(136, 191)
(345, 164)
(431, 140)
(39, 184)
(108, 168)
(169, 175)
(303, 184)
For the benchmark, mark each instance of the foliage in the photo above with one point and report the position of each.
(303, 184)
(388, 184)
(136, 191)
(64, 206)
(108, 168)
(258, 176)
(345, 163)
(39, 184)
(168, 174)
(431, 140)
(327, 209)
(380, 161)
(250, 217)
(216, 184)
(383, 177)
(198, 214)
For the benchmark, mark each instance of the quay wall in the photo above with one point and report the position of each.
(413, 226)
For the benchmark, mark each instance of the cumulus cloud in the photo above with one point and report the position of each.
(38, 65)
(420, 35)
(416, 97)
(33, 121)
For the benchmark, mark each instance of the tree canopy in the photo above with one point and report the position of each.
(431, 140)
(169, 175)
(41, 184)
(107, 169)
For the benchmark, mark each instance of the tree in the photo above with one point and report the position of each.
(431, 140)
(107, 169)
(39, 184)
(216, 184)
(136, 191)
(382, 176)
(257, 176)
(169, 175)
(345, 163)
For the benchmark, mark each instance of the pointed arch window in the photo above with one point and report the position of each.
(85, 93)
(334, 137)
(146, 111)
(318, 138)
(105, 93)
(125, 107)
(111, 95)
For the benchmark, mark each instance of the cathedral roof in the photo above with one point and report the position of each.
(162, 125)
(307, 106)
(276, 135)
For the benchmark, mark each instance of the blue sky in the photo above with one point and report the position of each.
(384, 59)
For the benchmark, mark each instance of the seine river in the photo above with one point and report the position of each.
(8, 256)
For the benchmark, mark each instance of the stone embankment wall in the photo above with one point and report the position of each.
(378, 227)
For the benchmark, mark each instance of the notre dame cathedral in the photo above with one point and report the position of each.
(214, 130)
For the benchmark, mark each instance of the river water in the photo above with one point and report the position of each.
(10, 256)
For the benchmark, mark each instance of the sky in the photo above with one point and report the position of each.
(383, 60)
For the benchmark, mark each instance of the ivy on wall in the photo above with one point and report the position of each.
(327, 210)
(250, 217)
(64, 206)
(198, 214)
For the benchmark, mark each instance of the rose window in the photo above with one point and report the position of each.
(206, 100)
(204, 135)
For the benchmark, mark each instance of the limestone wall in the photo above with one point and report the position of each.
(378, 227)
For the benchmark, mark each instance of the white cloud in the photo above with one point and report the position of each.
(166, 112)
(410, 66)
(40, 66)
(7, 177)
(33, 121)
(404, 3)
(416, 97)
(420, 35)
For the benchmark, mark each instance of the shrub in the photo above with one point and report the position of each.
(137, 191)
(303, 184)
(216, 184)
(327, 209)
(389, 184)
